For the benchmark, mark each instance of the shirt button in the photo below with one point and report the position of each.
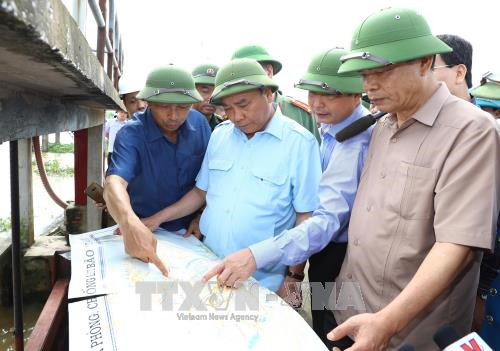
(369, 208)
(356, 242)
(394, 140)
(382, 174)
(349, 276)
(227, 211)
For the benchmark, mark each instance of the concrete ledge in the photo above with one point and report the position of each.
(39, 264)
(42, 49)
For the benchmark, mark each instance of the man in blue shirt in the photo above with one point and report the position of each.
(261, 170)
(155, 160)
(335, 103)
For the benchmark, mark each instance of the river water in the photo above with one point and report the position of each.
(45, 213)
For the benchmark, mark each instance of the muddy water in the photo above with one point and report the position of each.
(45, 212)
(31, 311)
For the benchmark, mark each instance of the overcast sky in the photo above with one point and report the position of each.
(190, 32)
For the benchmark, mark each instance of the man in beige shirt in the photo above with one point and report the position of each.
(427, 202)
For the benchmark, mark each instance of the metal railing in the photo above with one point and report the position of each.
(109, 40)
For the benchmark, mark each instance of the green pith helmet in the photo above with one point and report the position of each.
(205, 74)
(238, 76)
(259, 54)
(391, 36)
(170, 85)
(322, 76)
(489, 88)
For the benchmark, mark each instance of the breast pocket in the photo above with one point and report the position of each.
(412, 191)
(219, 175)
(270, 184)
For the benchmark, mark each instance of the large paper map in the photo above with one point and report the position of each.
(178, 311)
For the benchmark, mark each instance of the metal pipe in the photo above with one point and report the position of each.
(111, 14)
(96, 10)
(101, 33)
(109, 48)
(16, 247)
(43, 174)
(116, 31)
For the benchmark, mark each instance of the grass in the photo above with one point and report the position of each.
(61, 148)
(5, 224)
(54, 168)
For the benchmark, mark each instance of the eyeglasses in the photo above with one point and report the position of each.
(443, 66)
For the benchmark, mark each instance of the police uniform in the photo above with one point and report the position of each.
(205, 74)
(298, 111)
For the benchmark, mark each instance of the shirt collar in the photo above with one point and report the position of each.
(334, 128)
(274, 126)
(429, 111)
(153, 132)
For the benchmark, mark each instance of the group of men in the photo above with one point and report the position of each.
(405, 209)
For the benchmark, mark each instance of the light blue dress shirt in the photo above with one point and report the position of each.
(337, 190)
(255, 186)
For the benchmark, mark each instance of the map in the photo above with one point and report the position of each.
(99, 264)
(142, 309)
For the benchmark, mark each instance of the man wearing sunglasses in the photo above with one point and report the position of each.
(155, 160)
(260, 174)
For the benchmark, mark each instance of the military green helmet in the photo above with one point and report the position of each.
(238, 76)
(170, 85)
(390, 36)
(322, 75)
(205, 74)
(489, 88)
(259, 54)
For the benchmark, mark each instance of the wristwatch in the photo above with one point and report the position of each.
(294, 275)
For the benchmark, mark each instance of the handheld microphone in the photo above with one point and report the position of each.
(358, 126)
(448, 340)
(407, 347)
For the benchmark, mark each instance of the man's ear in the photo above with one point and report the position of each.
(269, 69)
(426, 64)
(268, 93)
(461, 72)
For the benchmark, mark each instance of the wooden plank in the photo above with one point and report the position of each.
(52, 322)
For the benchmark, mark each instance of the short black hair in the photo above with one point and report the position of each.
(461, 54)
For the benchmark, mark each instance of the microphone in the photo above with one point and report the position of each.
(448, 340)
(358, 126)
(407, 347)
